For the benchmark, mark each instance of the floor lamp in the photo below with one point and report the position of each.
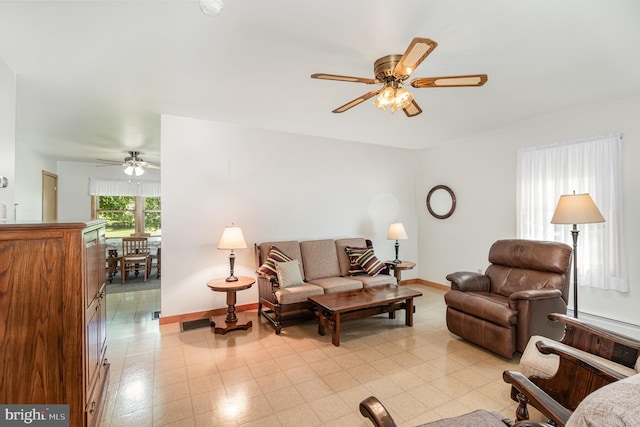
(576, 209)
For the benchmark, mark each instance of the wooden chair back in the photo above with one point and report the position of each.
(135, 246)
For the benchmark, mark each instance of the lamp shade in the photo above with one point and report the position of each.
(397, 232)
(232, 238)
(576, 209)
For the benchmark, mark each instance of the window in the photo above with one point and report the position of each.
(129, 214)
(587, 166)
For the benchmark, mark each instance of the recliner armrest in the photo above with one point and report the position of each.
(468, 281)
(535, 294)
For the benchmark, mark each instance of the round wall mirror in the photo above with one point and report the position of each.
(441, 202)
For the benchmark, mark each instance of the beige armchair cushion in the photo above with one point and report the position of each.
(613, 405)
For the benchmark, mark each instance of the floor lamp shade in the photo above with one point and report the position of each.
(397, 232)
(576, 209)
(232, 238)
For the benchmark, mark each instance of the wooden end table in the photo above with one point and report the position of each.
(223, 324)
(397, 268)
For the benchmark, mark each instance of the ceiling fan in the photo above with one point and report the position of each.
(391, 71)
(133, 164)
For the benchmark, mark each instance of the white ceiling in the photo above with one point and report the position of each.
(94, 76)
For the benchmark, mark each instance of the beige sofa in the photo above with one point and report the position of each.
(324, 267)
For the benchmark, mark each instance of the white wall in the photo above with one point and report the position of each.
(275, 186)
(29, 167)
(482, 173)
(74, 201)
(7, 138)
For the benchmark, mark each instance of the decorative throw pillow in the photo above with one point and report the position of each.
(354, 253)
(289, 273)
(370, 263)
(268, 268)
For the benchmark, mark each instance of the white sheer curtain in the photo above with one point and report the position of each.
(585, 166)
(123, 187)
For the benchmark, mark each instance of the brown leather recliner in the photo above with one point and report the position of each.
(502, 308)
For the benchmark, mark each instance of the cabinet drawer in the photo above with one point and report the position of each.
(97, 396)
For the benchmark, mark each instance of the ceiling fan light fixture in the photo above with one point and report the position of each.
(393, 97)
(128, 170)
(385, 98)
(211, 7)
(402, 100)
(138, 170)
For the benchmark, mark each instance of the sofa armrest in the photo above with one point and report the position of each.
(373, 409)
(531, 393)
(577, 375)
(608, 345)
(467, 281)
(569, 357)
(267, 286)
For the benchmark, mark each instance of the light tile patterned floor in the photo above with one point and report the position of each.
(163, 377)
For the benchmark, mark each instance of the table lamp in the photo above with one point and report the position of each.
(397, 232)
(232, 239)
(576, 209)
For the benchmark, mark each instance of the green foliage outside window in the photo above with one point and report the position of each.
(120, 213)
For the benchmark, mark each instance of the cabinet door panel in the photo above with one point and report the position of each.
(32, 328)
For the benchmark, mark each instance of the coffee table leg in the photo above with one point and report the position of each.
(321, 320)
(335, 333)
(409, 312)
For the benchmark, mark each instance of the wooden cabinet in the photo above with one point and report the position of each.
(53, 317)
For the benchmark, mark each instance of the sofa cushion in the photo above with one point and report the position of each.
(483, 305)
(477, 418)
(372, 265)
(343, 258)
(354, 253)
(320, 259)
(268, 267)
(337, 284)
(613, 405)
(379, 280)
(289, 273)
(299, 293)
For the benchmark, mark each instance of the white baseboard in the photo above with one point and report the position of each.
(624, 328)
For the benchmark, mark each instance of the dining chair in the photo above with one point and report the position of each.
(135, 257)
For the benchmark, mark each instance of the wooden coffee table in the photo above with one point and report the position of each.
(333, 308)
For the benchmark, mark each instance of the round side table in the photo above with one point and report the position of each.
(397, 268)
(231, 321)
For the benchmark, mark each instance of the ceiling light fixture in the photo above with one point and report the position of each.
(211, 7)
(394, 97)
(133, 168)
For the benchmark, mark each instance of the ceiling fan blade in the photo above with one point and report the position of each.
(111, 162)
(344, 78)
(356, 101)
(450, 81)
(413, 109)
(417, 51)
(152, 166)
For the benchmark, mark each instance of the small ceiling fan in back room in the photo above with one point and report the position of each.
(392, 71)
(133, 164)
